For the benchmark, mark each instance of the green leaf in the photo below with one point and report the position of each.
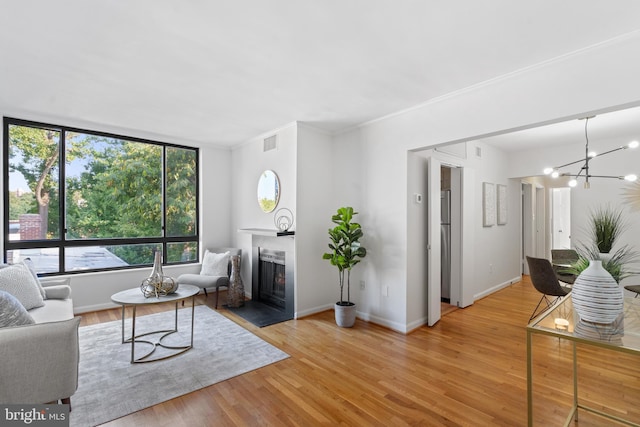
(345, 246)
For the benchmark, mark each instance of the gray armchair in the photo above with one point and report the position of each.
(39, 362)
(206, 281)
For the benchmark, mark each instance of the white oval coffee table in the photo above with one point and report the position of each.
(133, 297)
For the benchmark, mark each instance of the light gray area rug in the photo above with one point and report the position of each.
(111, 387)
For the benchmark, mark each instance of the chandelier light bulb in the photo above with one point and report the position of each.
(585, 169)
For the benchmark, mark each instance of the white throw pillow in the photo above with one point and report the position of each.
(32, 269)
(19, 282)
(12, 313)
(214, 264)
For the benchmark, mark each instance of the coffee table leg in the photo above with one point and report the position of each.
(175, 328)
(133, 335)
(193, 311)
(123, 323)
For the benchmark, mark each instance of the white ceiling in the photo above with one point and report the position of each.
(620, 126)
(221, 72)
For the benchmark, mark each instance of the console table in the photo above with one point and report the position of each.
(134, 298)
(561, 321)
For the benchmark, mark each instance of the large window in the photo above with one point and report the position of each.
(77, 200)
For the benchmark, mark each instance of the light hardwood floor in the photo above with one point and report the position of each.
(468, 370)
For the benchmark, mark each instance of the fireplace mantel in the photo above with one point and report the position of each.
(266, 232)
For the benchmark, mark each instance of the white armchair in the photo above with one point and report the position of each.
(205, 279)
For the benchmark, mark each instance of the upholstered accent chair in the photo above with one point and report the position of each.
(215, 272)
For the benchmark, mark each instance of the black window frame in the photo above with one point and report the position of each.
(62, 243)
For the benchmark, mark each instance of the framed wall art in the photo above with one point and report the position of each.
(488, 204)
(502, 204)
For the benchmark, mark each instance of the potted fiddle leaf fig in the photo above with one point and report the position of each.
(345, 253)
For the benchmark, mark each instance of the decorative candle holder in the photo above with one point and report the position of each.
(283, 219)
(157, 284)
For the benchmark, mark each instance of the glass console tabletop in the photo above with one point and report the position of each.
(562, 321)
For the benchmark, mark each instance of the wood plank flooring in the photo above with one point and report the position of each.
(468, 370)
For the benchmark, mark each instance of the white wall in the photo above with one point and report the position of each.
(497, 264)
(248, 161)
(591, 80)
(417, 241)
(316, 180)
(316, 279)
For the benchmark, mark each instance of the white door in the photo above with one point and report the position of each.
(561, 218)
(433, 241)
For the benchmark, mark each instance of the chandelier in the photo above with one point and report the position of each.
(555, 172)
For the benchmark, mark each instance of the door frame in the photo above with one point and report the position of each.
(434, 253)
(528, 241)
(433, 241)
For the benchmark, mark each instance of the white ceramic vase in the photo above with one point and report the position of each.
(596, 295)
(605, 256)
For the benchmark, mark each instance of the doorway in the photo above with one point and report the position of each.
(527, 226)
(561, 218)
(540, 223)
(428, 219)
(535, 238)
(450, 238)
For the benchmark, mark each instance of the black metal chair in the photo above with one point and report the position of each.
(545, 281)
(633, 288)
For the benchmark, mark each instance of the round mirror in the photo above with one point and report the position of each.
(268, 191)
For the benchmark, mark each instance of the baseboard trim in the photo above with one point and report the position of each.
(96, 307)
(496, 288)
(398, 327)
(314, 310)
